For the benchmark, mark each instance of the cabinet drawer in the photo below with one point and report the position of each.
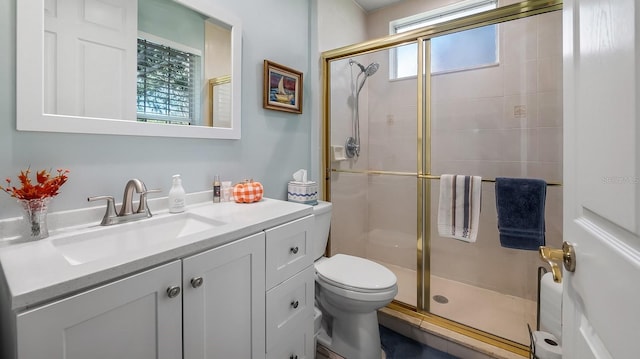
(299, 344)
(289, 305)
(289, 250)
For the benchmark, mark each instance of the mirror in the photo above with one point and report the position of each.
(109, 74)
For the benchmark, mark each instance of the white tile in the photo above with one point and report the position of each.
(550, 144)
(549, 74)
(550, 34)
(519, 40)
(519, 145)
(520, 78)
(550, 109)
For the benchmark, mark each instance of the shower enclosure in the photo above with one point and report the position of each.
(500, 117)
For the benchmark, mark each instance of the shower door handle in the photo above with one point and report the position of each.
(566, 255)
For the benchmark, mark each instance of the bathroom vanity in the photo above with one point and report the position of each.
(220, 280)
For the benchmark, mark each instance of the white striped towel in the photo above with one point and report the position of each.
(459, 207)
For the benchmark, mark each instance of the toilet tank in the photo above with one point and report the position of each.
(321, 225)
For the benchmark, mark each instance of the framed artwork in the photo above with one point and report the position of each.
(282, 88)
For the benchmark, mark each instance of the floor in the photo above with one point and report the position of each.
(396, 346)
(502, 315)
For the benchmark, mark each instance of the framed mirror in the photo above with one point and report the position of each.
(127, 67)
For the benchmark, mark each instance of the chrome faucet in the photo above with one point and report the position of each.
(126, 213)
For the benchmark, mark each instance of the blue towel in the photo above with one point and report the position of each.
(520, 206)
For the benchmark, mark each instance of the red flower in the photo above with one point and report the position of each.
(46, 186)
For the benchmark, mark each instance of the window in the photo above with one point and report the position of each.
(458, 51)
(168, 83)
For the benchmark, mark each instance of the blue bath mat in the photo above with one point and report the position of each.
(397, 346)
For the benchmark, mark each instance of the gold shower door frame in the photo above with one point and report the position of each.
(423, 174)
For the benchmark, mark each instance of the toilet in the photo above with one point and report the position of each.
(349, 291)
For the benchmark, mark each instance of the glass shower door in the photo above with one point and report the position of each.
(499, 118)
(375, 192)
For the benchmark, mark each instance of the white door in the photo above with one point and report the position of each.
(601, 301)
(90, 50)
(130, 318)
(224, 301)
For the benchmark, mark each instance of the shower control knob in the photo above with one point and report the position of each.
(295, 304)
(294, 250)
(173, 291)
(196, 282)
(293, 356)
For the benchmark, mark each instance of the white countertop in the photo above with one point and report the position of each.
(37, 272)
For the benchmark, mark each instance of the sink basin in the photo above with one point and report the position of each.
(130, 237)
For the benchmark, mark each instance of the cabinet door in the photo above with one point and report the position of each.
(130, 318)
(224, 301)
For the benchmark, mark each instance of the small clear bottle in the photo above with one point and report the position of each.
(176, 196)
(216, 189)
(226, 191)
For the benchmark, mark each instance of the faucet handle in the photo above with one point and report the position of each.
(142, 206)
(111, 208)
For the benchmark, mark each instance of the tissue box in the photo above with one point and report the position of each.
(303, 192)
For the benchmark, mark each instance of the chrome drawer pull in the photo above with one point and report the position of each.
(294, 250)
(295, 304)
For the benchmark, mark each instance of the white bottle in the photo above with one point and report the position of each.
(176, 196)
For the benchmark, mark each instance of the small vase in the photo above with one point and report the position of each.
(35, 217)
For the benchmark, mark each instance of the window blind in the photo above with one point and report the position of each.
(165, 84)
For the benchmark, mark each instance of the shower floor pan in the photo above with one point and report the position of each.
(496, 313)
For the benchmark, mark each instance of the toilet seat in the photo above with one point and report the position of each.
(355, 274)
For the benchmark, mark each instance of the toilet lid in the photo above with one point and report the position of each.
(355, 272)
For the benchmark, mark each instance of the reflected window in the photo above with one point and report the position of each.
(453, 52)
(167, 84)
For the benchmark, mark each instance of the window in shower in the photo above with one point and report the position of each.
(454, 52)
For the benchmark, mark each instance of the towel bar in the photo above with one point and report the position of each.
(483, 180)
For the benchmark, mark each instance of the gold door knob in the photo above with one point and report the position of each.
(566, 255)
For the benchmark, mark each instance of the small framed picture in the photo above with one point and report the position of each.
(282, 88)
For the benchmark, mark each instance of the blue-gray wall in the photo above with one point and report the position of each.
(274, 144)
(172, 21)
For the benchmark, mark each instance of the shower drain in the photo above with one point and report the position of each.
(440, 299)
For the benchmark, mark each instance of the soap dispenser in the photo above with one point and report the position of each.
(176, 196)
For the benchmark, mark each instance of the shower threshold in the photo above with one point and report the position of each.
(496, 313)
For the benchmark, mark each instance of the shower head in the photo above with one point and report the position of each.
(368, 72)
(371, 69)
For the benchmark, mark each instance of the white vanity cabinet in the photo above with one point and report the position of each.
(290, 288)
(210, 304)
(223, 301)
(130, 318)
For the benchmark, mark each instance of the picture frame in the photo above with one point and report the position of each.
(282, 88)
